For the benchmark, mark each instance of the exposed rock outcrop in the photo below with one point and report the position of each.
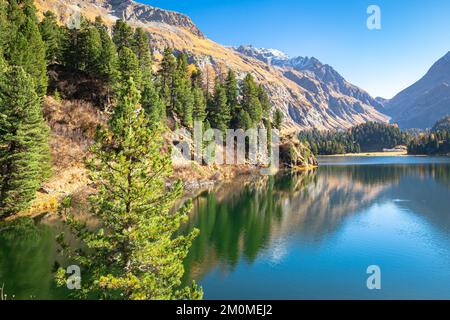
(295, 155)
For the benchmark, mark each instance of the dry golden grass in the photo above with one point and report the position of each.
(73, 125)
(42, 204)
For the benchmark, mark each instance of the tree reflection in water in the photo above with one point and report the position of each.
(243, 221)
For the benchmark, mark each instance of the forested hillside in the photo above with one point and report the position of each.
(104, 83)
(435, 142)
(92, 63)
(368, 137)
(305, 100)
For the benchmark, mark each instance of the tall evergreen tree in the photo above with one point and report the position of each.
(250, 99)
(122, 35)
(244, 121)
(141, 47)
(199, 108)
(25, 46)
(108, 58)
(53, 36)
(90, 49)
(71, 55)
(232, 88)
(278, 119)
(137, 254)
(152, 103)
(219, 111)
(108, 61)
(129, 66)
(4, 26)
(268, 125)
(197, 78)
(166, 78)
(264, 100)
(24, 151)
(183, 101)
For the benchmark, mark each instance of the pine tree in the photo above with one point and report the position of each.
(197, 78)
(219, 111)
(129, 66)
(166, 77)
(53, 37)
(108, 61)
(183, 101)
(250, 99)
(4, 26)
(187, 115)
(24, 151)
(199, 109)
(141, 47)
(278, 119)
(122, 35)
(264, 100)
(137, 254)
(90, 49)
(71, 55)
(25, 46)
(152, 103)
(268, 125)
(244, 121)
(232, 88)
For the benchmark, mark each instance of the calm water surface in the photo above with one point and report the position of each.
(312, 236)
(303, 236)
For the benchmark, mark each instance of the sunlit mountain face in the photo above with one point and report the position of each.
(309, 93)
(425, 102)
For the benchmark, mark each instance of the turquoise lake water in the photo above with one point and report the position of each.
(296, 236)
(313, 235)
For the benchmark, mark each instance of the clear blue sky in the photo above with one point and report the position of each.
(414, 34)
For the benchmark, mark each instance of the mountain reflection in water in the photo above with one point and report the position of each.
(268, 219)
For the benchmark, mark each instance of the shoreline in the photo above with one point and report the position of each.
(374, 154)
(382, 154)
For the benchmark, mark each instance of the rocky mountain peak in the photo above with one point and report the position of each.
(316, 77)
(426, 101)
(131, 10)
(302, 63)
(440, 71)
(269, 56)
(278, 58)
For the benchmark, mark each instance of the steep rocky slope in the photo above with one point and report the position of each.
(426, 101)
(442, 125)
(309, 97)
(325, 88)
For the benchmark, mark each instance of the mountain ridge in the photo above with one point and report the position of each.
(303, 96)
(330, 80)
(426, 101)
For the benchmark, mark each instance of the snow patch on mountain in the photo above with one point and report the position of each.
(275, 57)
(269, 56)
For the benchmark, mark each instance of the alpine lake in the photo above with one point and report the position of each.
(309, 235)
